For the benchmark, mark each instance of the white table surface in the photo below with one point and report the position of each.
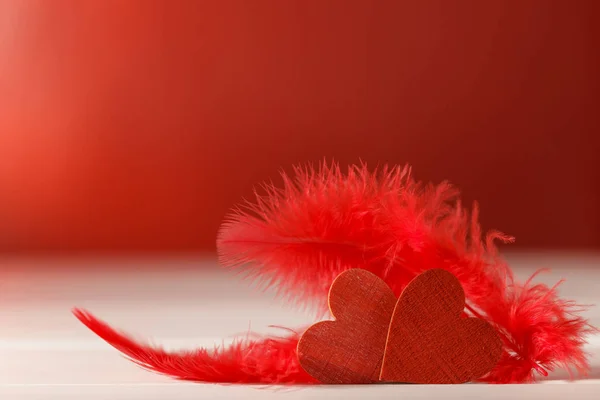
(184, 302)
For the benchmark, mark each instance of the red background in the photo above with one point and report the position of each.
(135, 125)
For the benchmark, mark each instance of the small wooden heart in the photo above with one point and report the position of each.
(350, 349)
(429, 341)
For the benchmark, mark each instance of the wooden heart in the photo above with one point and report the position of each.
(350, 349)
(429, 341)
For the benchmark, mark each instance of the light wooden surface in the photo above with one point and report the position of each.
(184, 302)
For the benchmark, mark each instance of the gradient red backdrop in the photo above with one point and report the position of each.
(134, 125)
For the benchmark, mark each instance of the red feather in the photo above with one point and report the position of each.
(264, 361)
(299, 238)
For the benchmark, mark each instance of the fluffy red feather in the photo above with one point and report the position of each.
(300, 237)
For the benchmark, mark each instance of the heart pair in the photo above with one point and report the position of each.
(421, 337)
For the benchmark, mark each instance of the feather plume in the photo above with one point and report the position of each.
(299, 238)
(266, 360)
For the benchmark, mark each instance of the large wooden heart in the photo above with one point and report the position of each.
(350, 349)
(430, 342)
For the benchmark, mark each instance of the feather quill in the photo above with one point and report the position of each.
(300, 237)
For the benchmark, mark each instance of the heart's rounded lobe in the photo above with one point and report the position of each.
(350, 349)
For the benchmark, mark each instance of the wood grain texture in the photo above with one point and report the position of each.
(430, 343)
(350, 349)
